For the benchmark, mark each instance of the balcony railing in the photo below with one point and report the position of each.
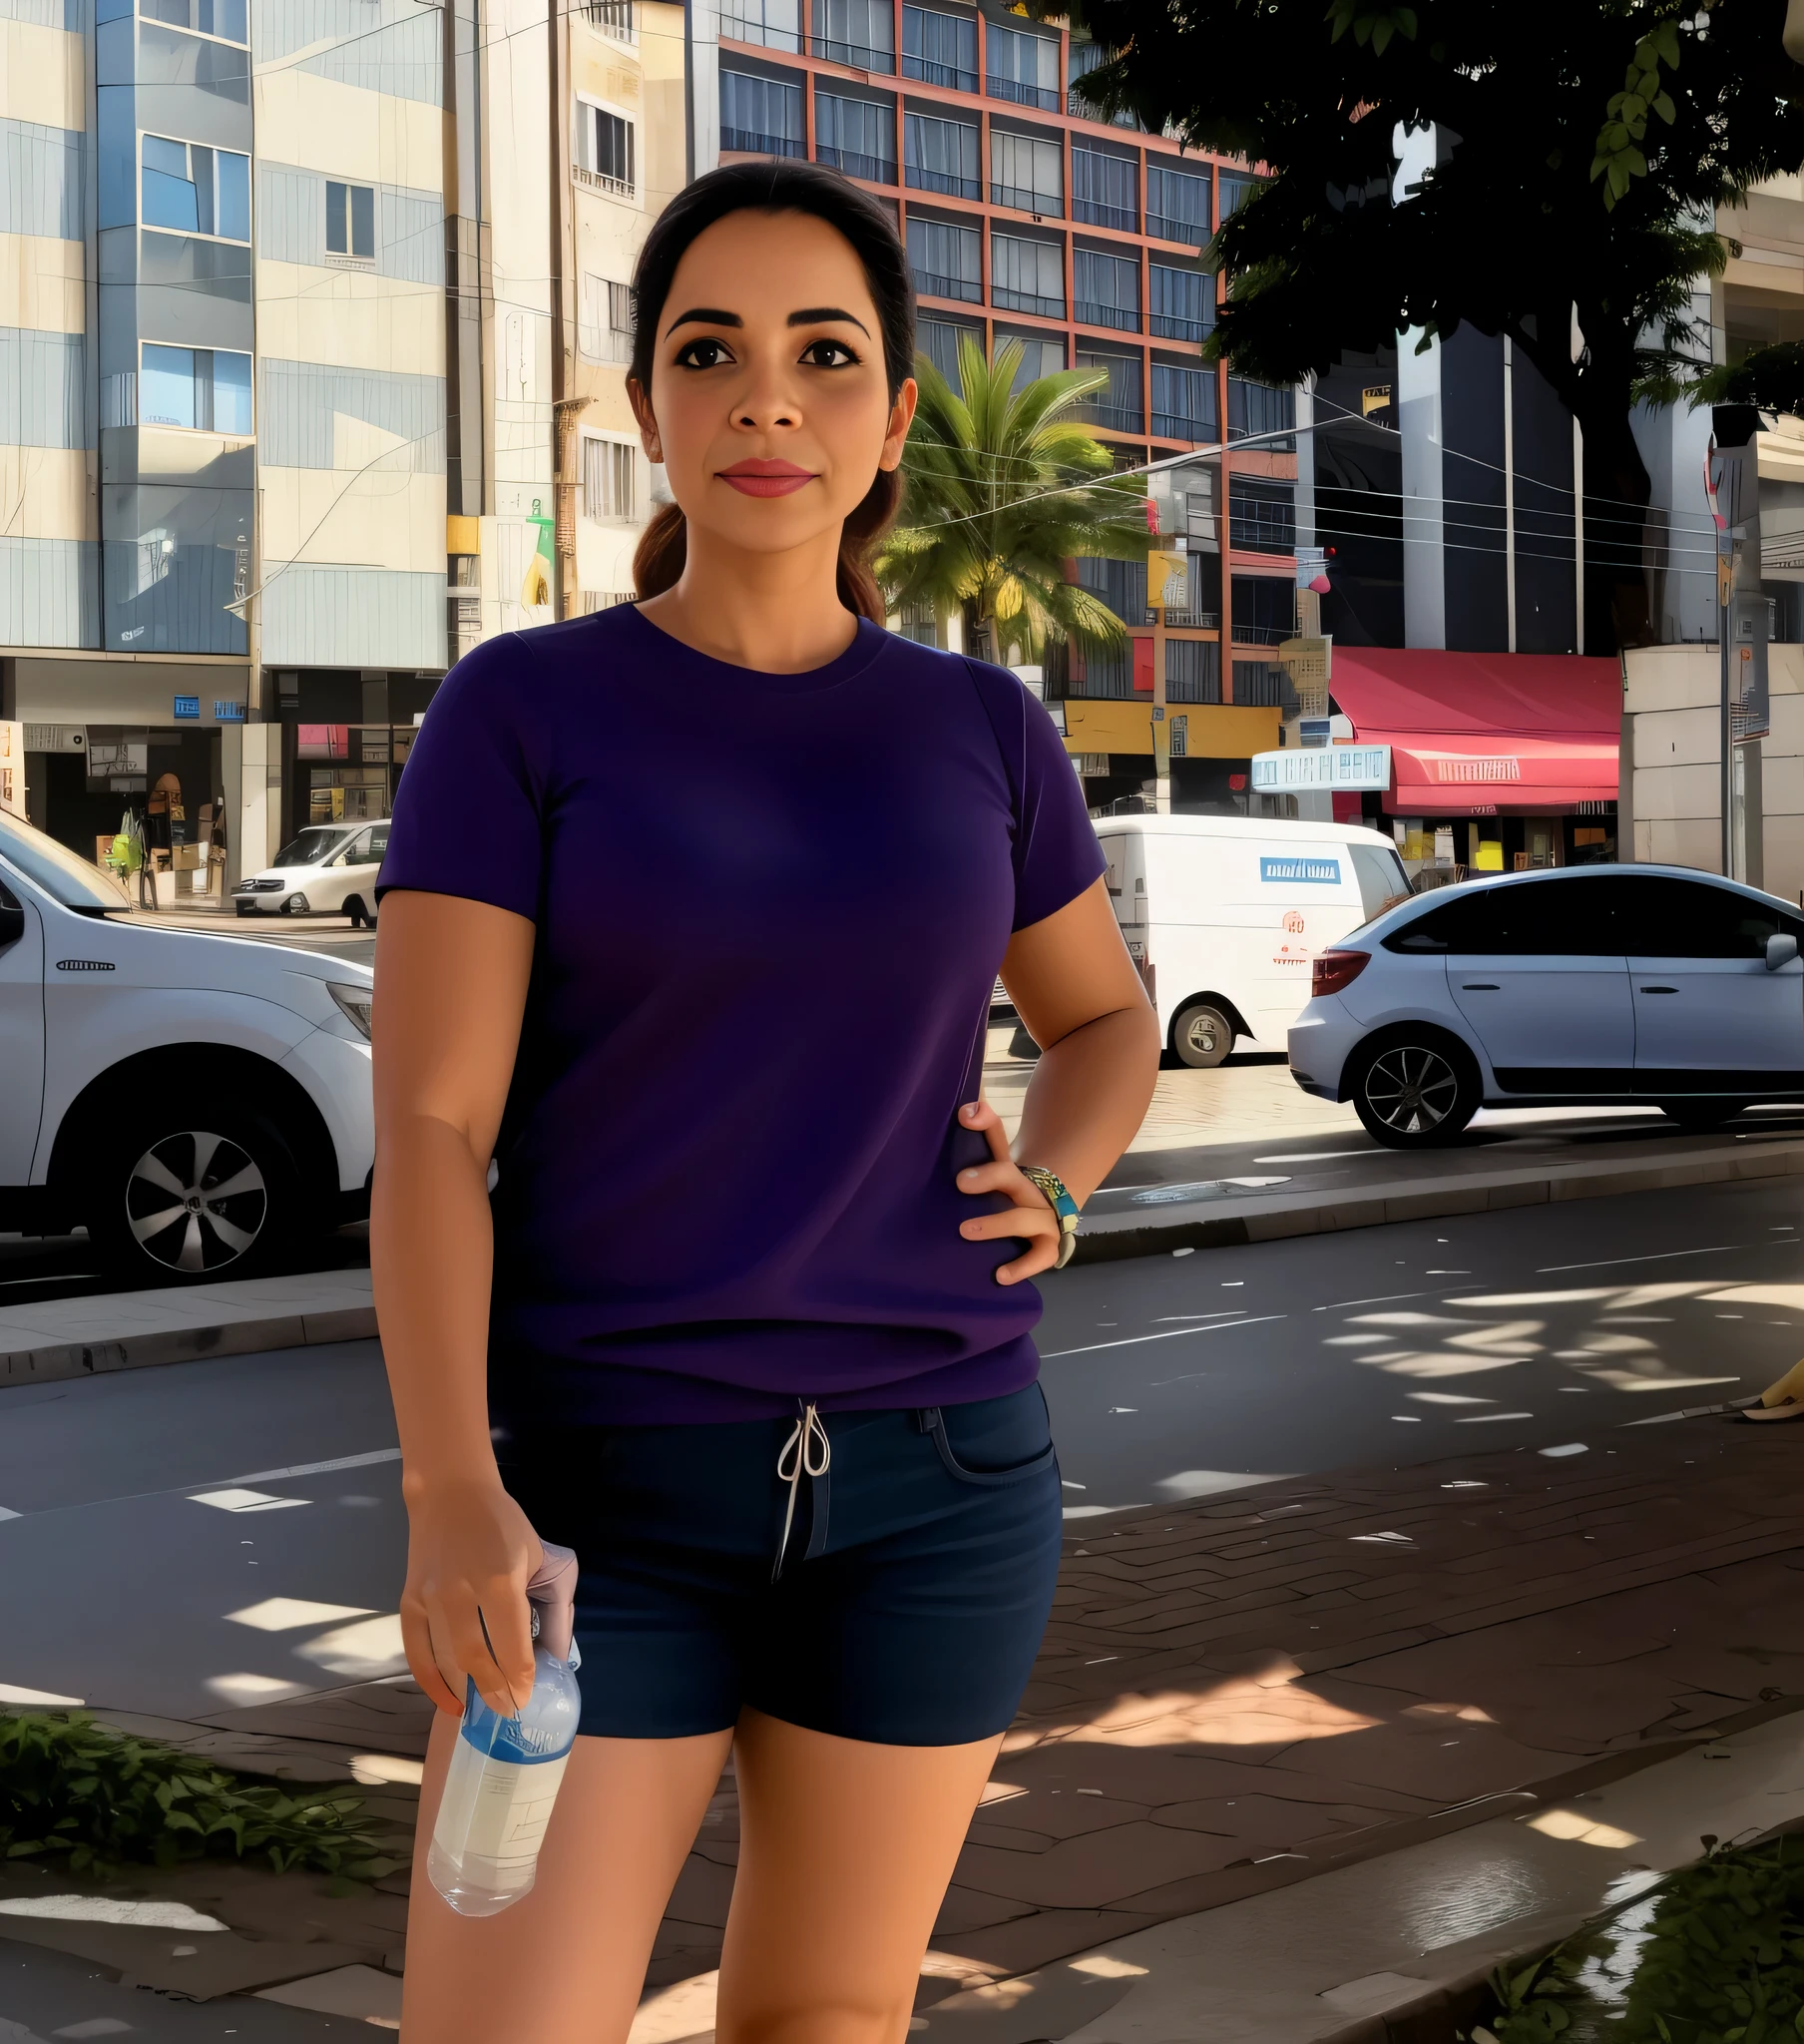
(1039, 95)
(613, 17)
(874, 170)
(1114, 418)
(920, 179)
(1162, 228)
(751, 143)
(1171, 426)
(1024, 301)
(1165, 327)
(858, 55)
(1261, 634)
(931, 285)
(1026, 202)
(930, 73)
(1261, 534)
(1098, 215)
(1126, 319)
(615, 187)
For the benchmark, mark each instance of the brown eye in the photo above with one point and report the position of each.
(703, 355)
(829, 354)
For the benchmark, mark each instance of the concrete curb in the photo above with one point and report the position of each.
(60, 1360)
(1228, 1223)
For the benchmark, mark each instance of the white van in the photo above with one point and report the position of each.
(1224, 915)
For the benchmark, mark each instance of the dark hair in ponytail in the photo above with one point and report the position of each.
(780, 186)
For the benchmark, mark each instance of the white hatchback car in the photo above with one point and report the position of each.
(1656, 986)
(201, 1104)
(329, 870)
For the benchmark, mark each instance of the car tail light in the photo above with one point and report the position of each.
(1333, 971)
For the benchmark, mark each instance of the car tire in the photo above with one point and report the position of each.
(1201, 1036)
(1416, 1090)
(359, 913)
(218, 1175)
(297, 904)
(1021, 1045)
(1700, 1115)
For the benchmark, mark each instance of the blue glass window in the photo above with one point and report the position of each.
(194, 190)
(206, 389)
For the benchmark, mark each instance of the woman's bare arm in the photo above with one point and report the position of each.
(451, 980)
(1075, 989)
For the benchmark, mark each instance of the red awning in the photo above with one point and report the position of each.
(1477, 733)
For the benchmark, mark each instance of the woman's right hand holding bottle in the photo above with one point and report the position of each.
(470, 1554)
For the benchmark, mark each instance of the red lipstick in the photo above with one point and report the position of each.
(767, 478)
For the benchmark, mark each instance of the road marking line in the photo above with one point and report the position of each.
(1170, 1334)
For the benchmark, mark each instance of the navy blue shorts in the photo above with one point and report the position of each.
(914, 1589)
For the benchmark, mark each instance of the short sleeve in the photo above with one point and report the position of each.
(468, 813)
(1057, 853)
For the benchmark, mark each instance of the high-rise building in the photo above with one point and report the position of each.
(1027, 216)
(312, 376)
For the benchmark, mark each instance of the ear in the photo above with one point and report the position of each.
(901, 417)
(647, 424)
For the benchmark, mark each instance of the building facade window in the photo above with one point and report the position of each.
(774, 24)
(1121, 584)
(937, 340)
(1177, 204)
(605, 320)
(350, 220)
(1234, 189)
(855, 135)
(206, 389)
(1027, 275)
(947, 260)
(1193, 671)
(1027, 173)
(227, 21)
(609, 494)
(1041, 355)
(1261, 514)
(941, 156)
(606, 147)
(194, 190)
(1106, 189)
(1022, 68)
(1117, 407)
(1184, 402)
(938, 48)
(1260, 408)
(1264, 612)
(1087, 57)
(1180, 303)
(761, 116)
(1107, 290)
(1258, 682)
(861, 33)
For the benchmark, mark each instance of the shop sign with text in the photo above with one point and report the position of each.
(1349, 768)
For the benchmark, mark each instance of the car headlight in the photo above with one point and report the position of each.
(354, 1004)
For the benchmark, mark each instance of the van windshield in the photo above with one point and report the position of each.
(63, 874)
(309, 849)
(1382, 880)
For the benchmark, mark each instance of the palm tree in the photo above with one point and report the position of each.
(999, 497)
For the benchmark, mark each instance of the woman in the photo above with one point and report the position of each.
(743, 1318)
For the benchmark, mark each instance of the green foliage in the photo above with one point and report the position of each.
(1618, 159)
(1771, 378)
(1004, 487)
(70, 1785)
(1720, 1960)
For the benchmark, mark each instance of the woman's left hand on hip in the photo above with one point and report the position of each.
(1028, 1218)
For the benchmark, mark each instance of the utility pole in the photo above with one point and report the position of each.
(1743, 613)
(1161, 570)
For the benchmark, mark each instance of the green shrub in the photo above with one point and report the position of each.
(70, 1785)
(1720, 1960)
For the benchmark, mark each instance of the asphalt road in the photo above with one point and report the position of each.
(127, 1578)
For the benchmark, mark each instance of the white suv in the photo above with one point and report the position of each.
(201, 1105)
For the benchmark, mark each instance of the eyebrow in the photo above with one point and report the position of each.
(814, 315)
(706, 316)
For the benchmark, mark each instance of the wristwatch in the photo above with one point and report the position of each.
(1052, 1188)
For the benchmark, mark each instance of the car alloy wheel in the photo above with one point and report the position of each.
(1411, 1089)
(196, 1202)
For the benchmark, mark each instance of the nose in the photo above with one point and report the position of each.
(768, 402)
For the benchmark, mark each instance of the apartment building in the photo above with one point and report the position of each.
(1029, 217)
(310, 376)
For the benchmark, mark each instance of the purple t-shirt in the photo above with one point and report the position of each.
(770, 910)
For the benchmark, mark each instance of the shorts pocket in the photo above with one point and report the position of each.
(994, 1441)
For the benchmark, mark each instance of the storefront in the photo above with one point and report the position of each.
(1500, 763)
(345, 737)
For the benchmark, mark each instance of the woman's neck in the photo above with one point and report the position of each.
(777, 613)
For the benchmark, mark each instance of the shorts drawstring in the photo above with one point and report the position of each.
(807, 1452)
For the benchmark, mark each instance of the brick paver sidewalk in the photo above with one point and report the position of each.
(1239, 1693)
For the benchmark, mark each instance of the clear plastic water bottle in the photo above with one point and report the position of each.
(504, 1772)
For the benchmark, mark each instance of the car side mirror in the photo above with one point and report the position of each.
(12, 923)
(1781, 949)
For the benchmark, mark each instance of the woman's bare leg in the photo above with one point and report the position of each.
(566, 1965)
(845, 1850)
